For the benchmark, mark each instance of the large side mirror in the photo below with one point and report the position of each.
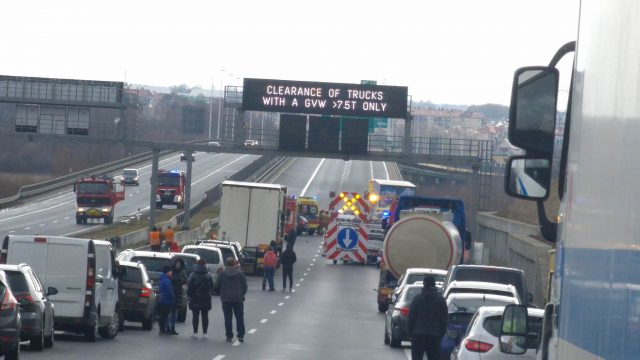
(528, 178)
(513, 330)
(51, 291)
(532, 113)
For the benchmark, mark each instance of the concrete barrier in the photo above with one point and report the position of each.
(511, 243)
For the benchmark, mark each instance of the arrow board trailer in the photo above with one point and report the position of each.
(252, 214)
(423, 241)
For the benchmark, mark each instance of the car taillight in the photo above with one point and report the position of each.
(28, 298)
(477, 346)
(145, 292)
(9, 302)
(91, 280)
(404, 311)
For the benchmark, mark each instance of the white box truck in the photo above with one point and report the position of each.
(252, 214)
(83, 271)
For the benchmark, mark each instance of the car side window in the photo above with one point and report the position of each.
(36, 281)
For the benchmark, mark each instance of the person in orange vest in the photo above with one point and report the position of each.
(154, 239)
(168, 237)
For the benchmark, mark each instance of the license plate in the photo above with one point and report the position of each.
(167, 192)
(93, 212)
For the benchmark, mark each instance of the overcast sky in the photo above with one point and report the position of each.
(446, 51)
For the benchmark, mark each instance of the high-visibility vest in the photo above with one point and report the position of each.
(154, 238)
(168, 236)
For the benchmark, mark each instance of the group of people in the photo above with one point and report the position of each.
(271, 261)
(163, 240)
(231, 285)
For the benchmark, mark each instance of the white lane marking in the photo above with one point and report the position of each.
(305, 274)
(308, 269)
(280, 304)
(54, 221)
(12, 231)
(263, 321)
(219, 357)
(298, 284)
(302, 279)
(371, 169)
(37, 211)
(407, 353)
(236, 343)
(27, 228)
(66, 218)
(252, 331)
(315, 172)
(41, 225)
(130, 195)
(316, 255)
(386, 171)
(83, 230)
(286, 297)
(311, 264)
(219, 169)
(273, 312)
(293, 290)
(137, 192)
(314, 259)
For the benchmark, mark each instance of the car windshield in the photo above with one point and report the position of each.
(472, 305)
(189, 263)
(210, 256)
(153, 264)
(411, 293)
(133, 274)
(17, 281)
(500, 276)
(130, 173)
(92, 188)
(169, 180)
(412, 278)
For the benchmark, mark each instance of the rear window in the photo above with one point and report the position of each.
(17, 281)
(480, 291)
(492, 325)
(210, 256)
(411, 279)
(189, 263)
(500, 276)
(152, 263)
(133, 275)
(411, 293)
(227, 253)
(472, 305)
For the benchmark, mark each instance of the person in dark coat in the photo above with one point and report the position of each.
(167, 299)
(232, 286)
(287, 259)
(178, 279)
(199, 291)
(427, 322)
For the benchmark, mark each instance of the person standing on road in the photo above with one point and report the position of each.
(178, 279)
(167, 299)
(427, 322)
(154, 239)
(232, 287)
(168, 236)
(269, 263)
(287, 259)
(199, 291)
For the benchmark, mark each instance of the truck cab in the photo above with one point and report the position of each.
(96, 198)
(170, 188)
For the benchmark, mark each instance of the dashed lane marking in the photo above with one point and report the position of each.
(286, 297)
(314, 259)
(305, 274)
(27, 228)
(252, 331)
(298, 284)
(294, 290)
(311, 264)
(41, 225)
(12, 231)
(219, 357)
(280, 304)
(54, 221)
(308, 269)
(263, 321)
(66, 218)
(301, 279)
(273, 312)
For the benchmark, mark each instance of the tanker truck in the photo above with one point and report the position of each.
(426, 232)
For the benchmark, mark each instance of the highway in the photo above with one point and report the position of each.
(55, 215)
(331, 314)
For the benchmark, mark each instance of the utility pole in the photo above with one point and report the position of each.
(210, 108)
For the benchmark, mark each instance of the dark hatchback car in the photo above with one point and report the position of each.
(136, 298)
(395, 323)
(10, 321)
(36, 310)
(494, 274)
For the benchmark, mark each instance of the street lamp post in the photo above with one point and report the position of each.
(220, 106)
(210, 108)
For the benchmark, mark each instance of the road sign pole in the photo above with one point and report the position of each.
(154, 184)
(187, 192)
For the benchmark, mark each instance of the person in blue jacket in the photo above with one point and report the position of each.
(167, 299)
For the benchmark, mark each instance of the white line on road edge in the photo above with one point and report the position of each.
(386, 171)
(252, 331)
(371, 169)
(37, 211)
(286, 297)
(280, 304)
(219, 169)
(219, 357)
(315, 172)
(273, 312)
(263, 321)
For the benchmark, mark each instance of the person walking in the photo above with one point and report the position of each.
(232, 287)
(178, 279)
(167, 299)
(287, 259)
(154, 239)
(168, 236)
(427, 322)
(269, 263)
(199, 289)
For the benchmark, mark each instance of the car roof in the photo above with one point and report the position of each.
(461, 296)
(129, 263)
(201, 247)
(13, 267)
(425, 271)
(141, 253)
(466, 266)
(130, 170)
(481, 285)
(185, 255)
(485, 311)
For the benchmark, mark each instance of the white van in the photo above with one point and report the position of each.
(212, 255)
(85, 274)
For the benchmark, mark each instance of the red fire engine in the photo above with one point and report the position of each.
(96, 197)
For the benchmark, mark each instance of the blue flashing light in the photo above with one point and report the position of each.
(175, 171)
(386, 213)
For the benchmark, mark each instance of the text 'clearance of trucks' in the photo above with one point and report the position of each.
(252, 214)
(96, 198)
(593, 309)
(424, 232)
